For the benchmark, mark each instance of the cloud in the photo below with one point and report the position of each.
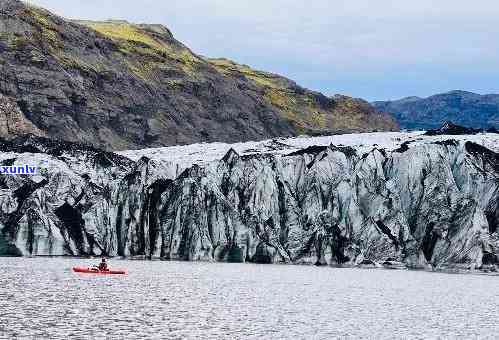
(371, 49)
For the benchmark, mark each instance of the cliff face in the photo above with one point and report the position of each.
(419, 200)
(13, 121)
(118, 85)
(461, 107)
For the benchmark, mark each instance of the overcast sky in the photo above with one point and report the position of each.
(374, 49)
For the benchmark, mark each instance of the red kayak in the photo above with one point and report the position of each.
(88, 270)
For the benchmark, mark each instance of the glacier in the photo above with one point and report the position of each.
(398, 198)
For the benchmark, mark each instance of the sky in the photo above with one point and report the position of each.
(372, 49)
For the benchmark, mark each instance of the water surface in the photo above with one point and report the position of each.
(42, 298)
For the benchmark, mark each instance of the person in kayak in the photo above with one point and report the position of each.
(103, 265)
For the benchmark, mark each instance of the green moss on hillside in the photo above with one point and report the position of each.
(152, 49)
(126, 31)
(307, 110)
(47, 29)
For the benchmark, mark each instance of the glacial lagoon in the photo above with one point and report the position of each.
(43, 298)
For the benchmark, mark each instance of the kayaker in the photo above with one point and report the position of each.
(103, 265)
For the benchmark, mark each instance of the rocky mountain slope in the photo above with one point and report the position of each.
(425, 201)
(117, 85)
(460, 107)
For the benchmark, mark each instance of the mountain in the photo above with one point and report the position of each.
(460, 107)
(118, 85)
(403, 199)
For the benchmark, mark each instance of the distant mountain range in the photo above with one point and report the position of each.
(460, 107)
(118, 85)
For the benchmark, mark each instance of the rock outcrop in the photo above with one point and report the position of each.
(450, 128)
(427, 203)
(12, 120)
(117, 85)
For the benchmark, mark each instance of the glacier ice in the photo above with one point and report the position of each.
(338, 200)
